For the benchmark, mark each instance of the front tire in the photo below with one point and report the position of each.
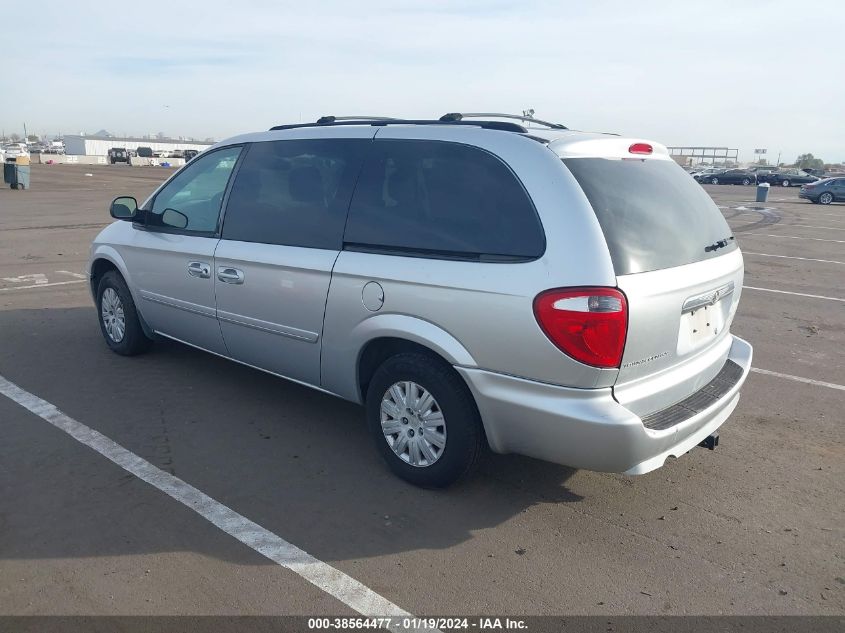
(826, 198)
(746, 181)
(119, 320)
(714, 181)
(786, 183)
(423, 420)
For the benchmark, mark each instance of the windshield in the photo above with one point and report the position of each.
(652, 213)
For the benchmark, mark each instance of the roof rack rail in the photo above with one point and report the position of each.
(351, 120)
(460, 116)
(326, 120)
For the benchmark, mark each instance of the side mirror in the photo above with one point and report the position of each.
(123, 208)
(174, 218)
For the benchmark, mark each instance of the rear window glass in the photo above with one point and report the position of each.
(652, 213)
(442, 200)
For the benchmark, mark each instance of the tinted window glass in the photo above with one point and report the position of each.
(294, 192)
(442, 199)
(653, 215)
(191, 200)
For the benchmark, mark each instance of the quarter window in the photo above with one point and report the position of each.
(438, 199)
(294, 192)
(191, 201)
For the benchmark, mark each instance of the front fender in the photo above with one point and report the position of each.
(112, 255)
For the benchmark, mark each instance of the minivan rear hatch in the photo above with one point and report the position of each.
(678, 264)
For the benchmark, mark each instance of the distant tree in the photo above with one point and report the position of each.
(15, 138)
(32, 138)
(808, 160)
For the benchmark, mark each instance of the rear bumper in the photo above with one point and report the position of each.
(587, 428)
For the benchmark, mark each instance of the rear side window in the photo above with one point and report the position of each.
(294, 193)
(652, 213)
(438, 199)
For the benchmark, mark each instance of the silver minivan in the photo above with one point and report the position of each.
(471, 281)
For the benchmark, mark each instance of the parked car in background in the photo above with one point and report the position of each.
(789, 177)
(824, 191)
(14, 150)
(761, 171)
(704, 173)
(118, 155)
(815, 172)
(145, 152)
(730, 177)
(367, 261)
(190, 154)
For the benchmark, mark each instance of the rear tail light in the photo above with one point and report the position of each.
(640, 148)
(588, 324)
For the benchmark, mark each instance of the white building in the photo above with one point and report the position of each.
(80, 145)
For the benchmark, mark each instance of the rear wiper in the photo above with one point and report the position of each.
(718, 245)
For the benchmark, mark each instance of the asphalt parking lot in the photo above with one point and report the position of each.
(755, 527)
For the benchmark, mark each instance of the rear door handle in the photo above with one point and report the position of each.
(230, 275)
(199, 269)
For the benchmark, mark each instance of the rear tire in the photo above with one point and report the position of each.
(786, 183)
(826, 198)
(450, 418)
(746, 181)
(714, 181)
(119, 320)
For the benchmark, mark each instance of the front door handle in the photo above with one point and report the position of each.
(199, 269)
(230, 275)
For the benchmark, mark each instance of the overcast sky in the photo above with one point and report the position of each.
(735, 73)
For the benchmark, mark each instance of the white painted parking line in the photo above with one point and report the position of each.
(38, 279)
(333, 581)
(806, 259)
(809, 381)
(54, 283)
(77, 275)
(794, 237)
(813, 226)
(797, 294)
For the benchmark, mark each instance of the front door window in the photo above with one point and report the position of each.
(190, 203)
